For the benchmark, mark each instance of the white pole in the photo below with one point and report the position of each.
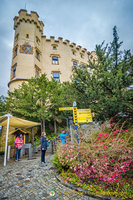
(8, 153)
(7, 130)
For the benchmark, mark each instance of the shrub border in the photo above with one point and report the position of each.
(85, 192)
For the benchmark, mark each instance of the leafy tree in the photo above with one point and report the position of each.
(106, 90)
(2, 105)
(31, 100)
(40, 99)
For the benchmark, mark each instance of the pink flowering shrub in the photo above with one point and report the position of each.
(107, 158)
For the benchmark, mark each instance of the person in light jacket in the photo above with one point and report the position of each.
(19, 144)
(63, 135)
(43, 147)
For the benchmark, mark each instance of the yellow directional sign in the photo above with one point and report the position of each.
(79, 115)
(65, 108)
(84, 115)
(84, 111)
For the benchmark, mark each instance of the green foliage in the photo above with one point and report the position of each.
(96, 188)
(56, 163)
(2, 105)
(37, 140)
(71, 177)
(52, 135)
(11, 141)
(106, 90)
(31, 100)
(40, 99)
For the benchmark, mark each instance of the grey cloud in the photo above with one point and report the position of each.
(85, 22)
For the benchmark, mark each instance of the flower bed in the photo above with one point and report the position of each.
(102, 164)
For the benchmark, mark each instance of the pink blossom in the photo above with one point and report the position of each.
(95, 146)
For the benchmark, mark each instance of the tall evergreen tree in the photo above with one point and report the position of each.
(107, 88)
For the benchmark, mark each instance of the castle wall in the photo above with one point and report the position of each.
(64, 51)
(33, 52)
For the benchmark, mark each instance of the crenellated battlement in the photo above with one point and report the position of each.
(73, 46)
(31, 18)
(35, 54)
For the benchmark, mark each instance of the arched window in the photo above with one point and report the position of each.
(55, 60)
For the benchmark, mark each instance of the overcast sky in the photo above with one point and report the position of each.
(84, 22)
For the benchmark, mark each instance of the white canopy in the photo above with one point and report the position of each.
(9, 120)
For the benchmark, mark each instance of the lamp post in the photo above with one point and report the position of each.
(7, 131)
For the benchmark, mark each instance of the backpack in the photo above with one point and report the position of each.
(47, 144)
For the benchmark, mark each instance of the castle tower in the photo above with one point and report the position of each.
(34, 54)
(27, 49)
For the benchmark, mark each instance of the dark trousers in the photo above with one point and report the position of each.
(43, 156)
(17, 154)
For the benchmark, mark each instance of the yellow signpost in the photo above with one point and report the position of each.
(84, 115)
(79, 116)
(75, 115)
(65, 108)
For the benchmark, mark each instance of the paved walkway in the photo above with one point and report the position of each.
(27, 179)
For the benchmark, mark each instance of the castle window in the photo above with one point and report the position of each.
(83, 65)
(37, 73)
(37, 40)
(13, 71)
(73, 52)
(27, 35)
(15, 51)
(54, 46)
(55, 60)
(75, 63)
(82, 55)
(16, 37)
(56, 76)
(37, 55)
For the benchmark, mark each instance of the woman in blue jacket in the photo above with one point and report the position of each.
(43, 147)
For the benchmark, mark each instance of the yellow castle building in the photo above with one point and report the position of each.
(34, 54)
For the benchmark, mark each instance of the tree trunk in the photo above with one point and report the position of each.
(32, 136)
(55, 127)
(43, 125)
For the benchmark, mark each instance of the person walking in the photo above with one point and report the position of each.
(19, 144)
(63, 135)
(43, 147)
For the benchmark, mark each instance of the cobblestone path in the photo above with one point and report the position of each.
(27, 179)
